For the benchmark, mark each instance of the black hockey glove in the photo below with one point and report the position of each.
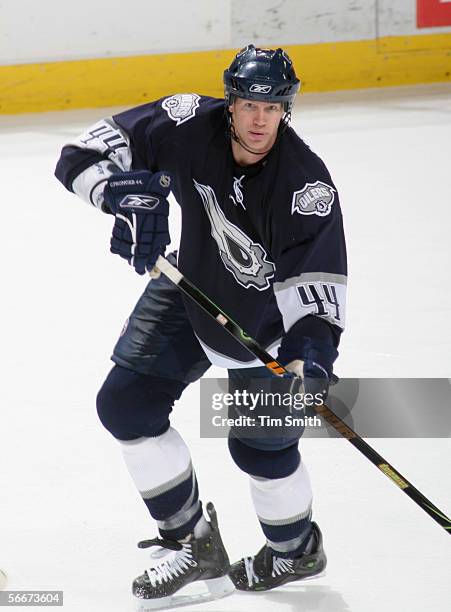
(138, 201)
(311, 361)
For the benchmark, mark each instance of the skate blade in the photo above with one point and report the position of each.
(216, 589)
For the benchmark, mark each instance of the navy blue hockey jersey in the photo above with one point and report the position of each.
(265, 242)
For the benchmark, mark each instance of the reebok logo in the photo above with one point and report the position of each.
(257, 88)
(139, 201)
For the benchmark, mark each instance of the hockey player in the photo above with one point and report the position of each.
(261, 236)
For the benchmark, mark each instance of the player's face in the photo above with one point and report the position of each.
(256, 123)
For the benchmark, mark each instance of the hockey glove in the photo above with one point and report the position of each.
(138, 201)
(311, 362)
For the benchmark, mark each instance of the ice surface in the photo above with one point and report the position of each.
(70, 514)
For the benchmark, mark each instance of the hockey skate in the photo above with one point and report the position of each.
(267, 571)
(193, 563)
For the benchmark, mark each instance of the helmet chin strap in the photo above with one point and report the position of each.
(282, 127)
(236, 138)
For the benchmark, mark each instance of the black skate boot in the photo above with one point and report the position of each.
(194, 560)
(267, 571)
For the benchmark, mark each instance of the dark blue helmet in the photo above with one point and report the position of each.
(261, 74)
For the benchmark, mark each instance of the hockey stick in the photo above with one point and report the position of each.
(338, 424)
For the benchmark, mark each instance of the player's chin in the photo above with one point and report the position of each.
(258, 144)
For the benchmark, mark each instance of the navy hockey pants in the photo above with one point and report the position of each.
(156, 357)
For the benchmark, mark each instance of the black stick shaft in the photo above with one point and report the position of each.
(385, 467)
(338, 424)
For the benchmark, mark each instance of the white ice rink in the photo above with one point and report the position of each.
(70, 516)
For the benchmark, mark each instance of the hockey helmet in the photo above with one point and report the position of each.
(261, 74)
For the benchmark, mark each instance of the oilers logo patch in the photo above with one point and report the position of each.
(313, 199)
(181, 107)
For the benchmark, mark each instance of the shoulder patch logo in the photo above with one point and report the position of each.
(313, 199)
(181, 107)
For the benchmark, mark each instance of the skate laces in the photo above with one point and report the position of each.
(170, 569)
(279, 566)
(250, 573)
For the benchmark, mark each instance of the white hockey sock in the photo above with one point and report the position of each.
(283, 506)
(282, 498)
(156, 463)
(162, 471)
